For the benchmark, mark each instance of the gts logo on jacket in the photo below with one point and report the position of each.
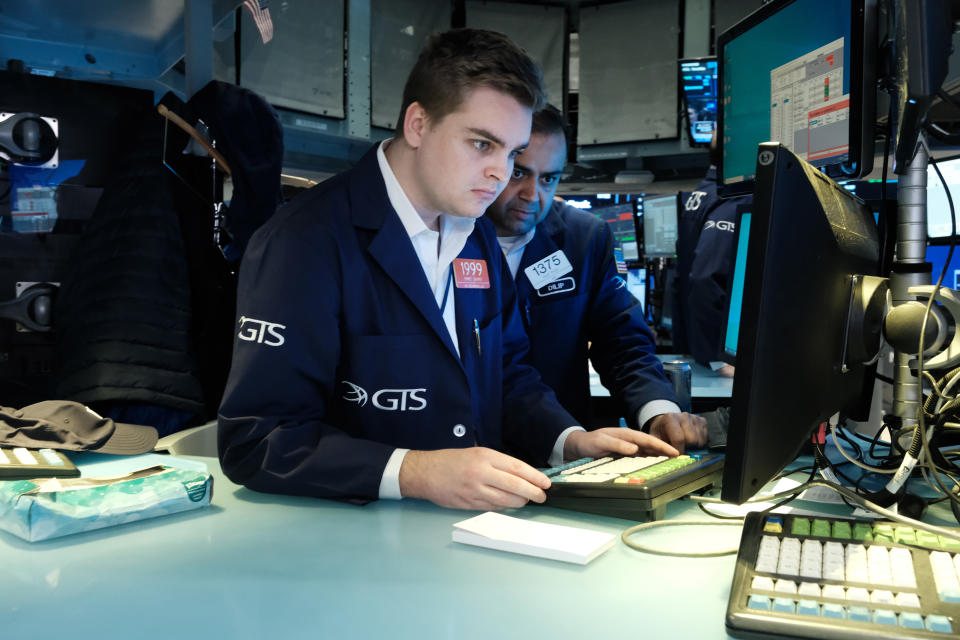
(255, 332)
(723, 225)
(387, 399)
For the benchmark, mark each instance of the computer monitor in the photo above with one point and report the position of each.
(637, 285)
(938, 209)
(620, 219)
(659, 215)
(801, 326)
(698, 86)
(936, 256)
(802, 73)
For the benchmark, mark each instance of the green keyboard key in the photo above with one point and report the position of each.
(800, 527)
(841, 530)
(883, 533)
(863, 531)
(905, 535)
(927, 539)
(949, 544)
(820, 528)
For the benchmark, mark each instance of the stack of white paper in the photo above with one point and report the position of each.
(556, 542)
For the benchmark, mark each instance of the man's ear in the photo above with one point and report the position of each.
(415, 122)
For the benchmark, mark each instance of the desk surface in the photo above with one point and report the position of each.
(705, 383)
(264, 566)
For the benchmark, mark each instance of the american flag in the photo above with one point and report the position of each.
(261, 16)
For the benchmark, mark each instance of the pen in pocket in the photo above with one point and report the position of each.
(476, 332)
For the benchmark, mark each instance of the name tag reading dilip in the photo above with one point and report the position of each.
(471, 274)
(546, 270)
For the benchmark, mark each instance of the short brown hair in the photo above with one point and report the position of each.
(459, 60)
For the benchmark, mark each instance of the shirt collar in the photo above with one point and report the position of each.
(512, 244)
(409, 217)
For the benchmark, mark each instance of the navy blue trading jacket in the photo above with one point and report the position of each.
(592, 305)
(706, 246)
(342, 355)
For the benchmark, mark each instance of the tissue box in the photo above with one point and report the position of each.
(52, 507)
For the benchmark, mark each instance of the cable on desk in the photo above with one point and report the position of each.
(625, 536)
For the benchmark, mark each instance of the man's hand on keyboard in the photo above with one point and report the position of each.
(602, 442)
(682, 430)
(475, 478)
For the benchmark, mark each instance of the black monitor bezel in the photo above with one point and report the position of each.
(863, 80)
(683, 97)
(650, 256)
(824, 388)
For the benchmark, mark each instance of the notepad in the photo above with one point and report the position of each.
(552, 541)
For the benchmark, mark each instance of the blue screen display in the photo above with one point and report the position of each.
(698, 79)
(779, 84)
(937, 255)
(736, 291)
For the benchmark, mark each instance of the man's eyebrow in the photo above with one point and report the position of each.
(517, 165)
(483, 133)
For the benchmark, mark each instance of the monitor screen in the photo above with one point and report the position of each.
(795, 72)
(938, 209)
(637, 285)
(620, 219)
(936, 256)
(698, 85)
(798, 360)
(659, 225)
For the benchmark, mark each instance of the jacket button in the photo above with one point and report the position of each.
(459, 430)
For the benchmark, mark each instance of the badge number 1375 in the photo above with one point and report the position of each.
(545, 271)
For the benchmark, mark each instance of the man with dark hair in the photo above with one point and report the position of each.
(379, 350)
(578, 305)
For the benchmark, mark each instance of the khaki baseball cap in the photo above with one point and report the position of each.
(63, 424)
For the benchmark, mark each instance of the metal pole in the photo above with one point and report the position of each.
(911, 254)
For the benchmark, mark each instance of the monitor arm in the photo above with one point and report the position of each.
(33, 308)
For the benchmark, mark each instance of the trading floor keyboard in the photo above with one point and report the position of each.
(636, 487)
(843, 579)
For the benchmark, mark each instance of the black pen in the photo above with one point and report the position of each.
(476, 332)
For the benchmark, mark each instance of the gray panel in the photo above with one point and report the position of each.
(539, 30)
(399, 29)
(301, 67)
(729, 12)
(628, 76)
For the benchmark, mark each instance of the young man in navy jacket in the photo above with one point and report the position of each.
(571, 296)
(379, 349)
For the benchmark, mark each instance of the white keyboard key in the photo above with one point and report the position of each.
(591, 477)
(626, 465)
(944, 574)
(768, 554)
(901, 568)
(3, 458)
(878, 565)
(811, 589)
(24, 456)
(858, 594)
(908, 600)
(785, 586)
(789, 563)
(587, 465)
(762, 583)
(834, 591)
(855, 565)
(811, 559)
(881, 596)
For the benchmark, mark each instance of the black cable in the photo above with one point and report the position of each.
(883, 378)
